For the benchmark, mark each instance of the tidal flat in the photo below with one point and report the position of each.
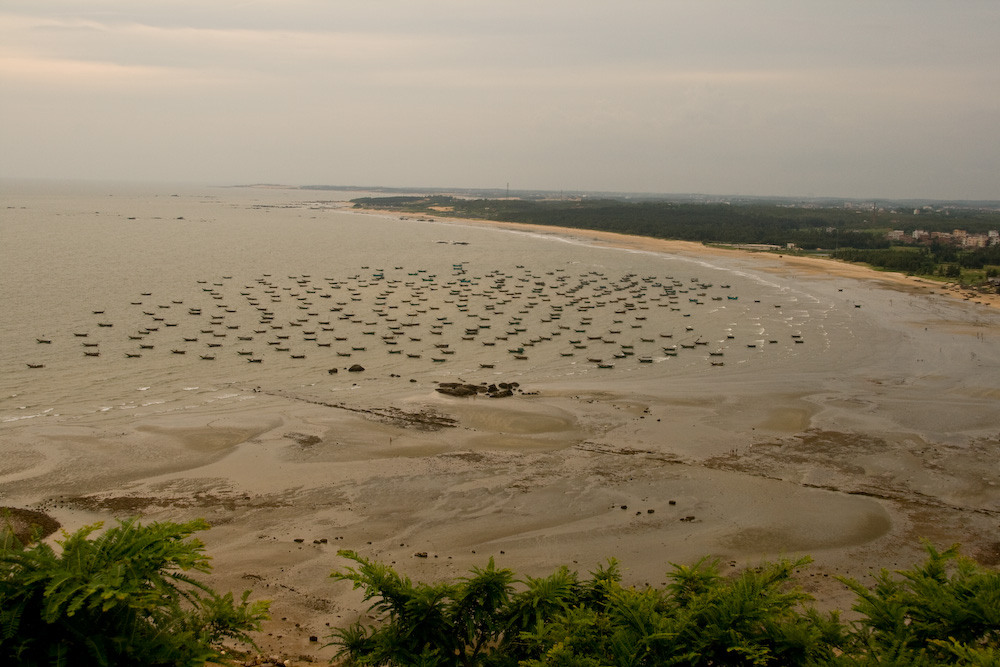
(669, 400)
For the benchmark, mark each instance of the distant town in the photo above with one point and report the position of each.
(958, 237)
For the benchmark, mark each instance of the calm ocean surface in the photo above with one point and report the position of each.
(195, 282)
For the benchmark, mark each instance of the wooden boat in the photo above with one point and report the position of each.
(132, 355)
(178, 351)
(36, 365)
(207, 357)
(92, 354)
(45, 341)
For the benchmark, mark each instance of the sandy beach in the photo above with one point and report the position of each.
(783, 263)
(852, 465)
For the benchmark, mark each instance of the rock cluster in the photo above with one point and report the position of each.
(461, 389)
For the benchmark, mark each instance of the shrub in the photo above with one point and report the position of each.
(946, 611)
(124, 597)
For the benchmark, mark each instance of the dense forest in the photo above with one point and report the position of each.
(851, 234)
(710, 223)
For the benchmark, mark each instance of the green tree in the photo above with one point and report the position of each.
(439, 624)
(946, 611)
(123, 597)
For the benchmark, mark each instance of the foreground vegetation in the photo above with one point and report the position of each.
(944, 612)
(125, 597)
(129, 596)
(850, 234)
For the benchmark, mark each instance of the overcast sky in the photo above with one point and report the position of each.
(865, 98)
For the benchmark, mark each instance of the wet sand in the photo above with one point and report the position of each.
(852, 467)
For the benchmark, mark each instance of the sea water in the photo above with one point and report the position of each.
(173, 290)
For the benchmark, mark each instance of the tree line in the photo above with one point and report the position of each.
(848, 234)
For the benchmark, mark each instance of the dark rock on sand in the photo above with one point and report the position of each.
(27, 524)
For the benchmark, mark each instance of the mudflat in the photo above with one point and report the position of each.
(852, 464)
